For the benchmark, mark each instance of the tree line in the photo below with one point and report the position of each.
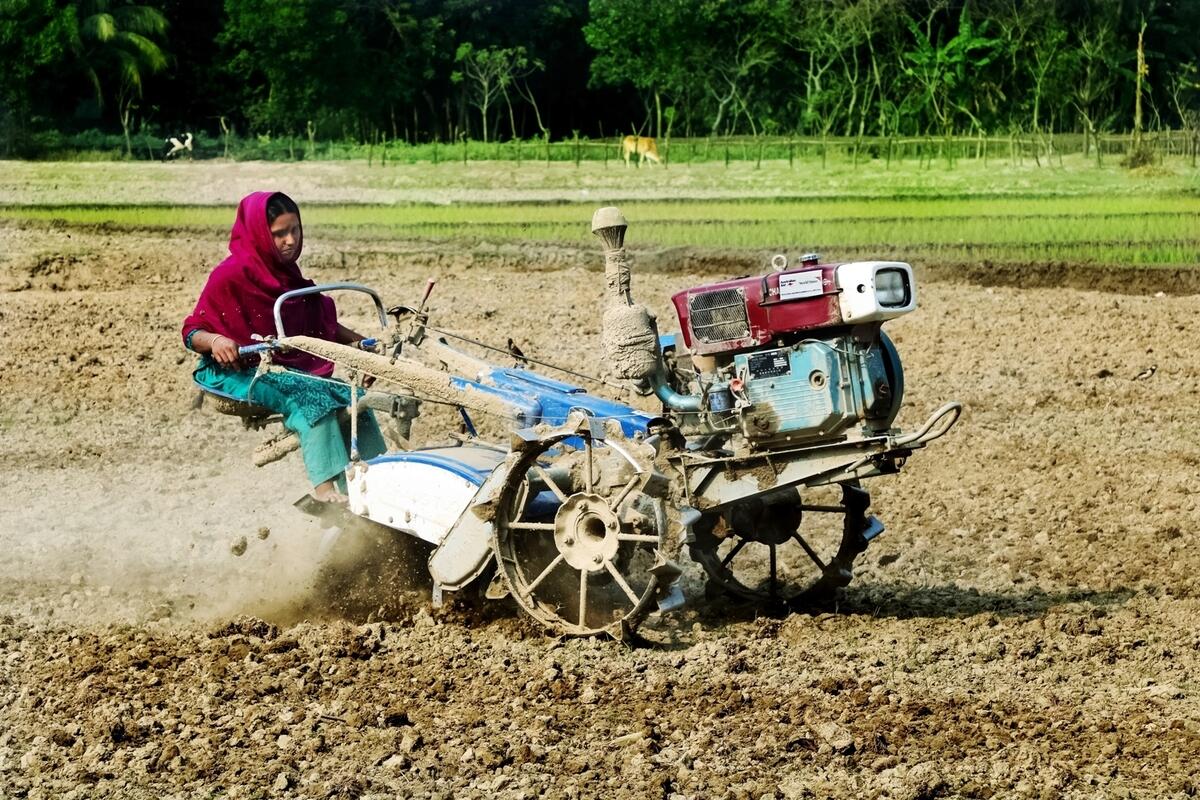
(420, 71)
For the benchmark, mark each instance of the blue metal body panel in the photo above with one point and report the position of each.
(543, 505)
(786, 382)
(820, 388)
(525, 409)
(466, 462)
(536, 399)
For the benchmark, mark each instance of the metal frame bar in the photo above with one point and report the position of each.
(327, 287)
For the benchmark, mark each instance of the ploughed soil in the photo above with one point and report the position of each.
(1026, 627)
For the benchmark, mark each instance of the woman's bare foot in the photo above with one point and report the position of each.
(327, 493)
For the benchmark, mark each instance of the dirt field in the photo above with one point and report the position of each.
(1027, 627)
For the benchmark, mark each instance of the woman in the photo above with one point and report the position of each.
(238, 302)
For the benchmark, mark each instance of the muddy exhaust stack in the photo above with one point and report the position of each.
(629, 332)
(630, 335)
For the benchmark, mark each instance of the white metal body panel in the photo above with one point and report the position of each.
(421, 497)
(465, 551)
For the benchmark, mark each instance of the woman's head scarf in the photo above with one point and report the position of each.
(239, 299)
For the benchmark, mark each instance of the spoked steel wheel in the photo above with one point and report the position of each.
(760, 552)
(577, 537)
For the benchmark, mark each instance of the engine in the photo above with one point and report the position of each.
(794, 357)
(799, 355)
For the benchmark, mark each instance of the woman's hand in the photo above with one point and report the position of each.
(224, 351)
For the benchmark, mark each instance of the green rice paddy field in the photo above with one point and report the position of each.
(1077, 215)
(1101, 230)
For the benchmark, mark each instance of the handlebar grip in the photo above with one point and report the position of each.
(254, 349)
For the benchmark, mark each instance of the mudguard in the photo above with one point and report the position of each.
(466, 549)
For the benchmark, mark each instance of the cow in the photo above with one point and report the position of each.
(179, 147)
(643, 146)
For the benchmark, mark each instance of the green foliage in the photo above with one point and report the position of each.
(423, 70)
(943, 73)
(645, 45)
(116, 42)
(34, 38)
(492, 73)
(293, 60)
(705, 55)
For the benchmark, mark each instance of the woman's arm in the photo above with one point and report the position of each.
(347, 336)
(223, 349)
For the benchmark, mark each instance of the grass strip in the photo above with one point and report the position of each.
(1095, 229)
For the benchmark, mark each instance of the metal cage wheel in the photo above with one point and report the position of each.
(576, 538)
(759, 553)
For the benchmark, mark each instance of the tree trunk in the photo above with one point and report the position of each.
(1142, 72)
(512, 121)
(126, 111)
(483, 119)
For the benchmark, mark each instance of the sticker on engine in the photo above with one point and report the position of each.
(770, 364)
(800, 284)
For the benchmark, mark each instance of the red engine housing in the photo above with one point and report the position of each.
(746, 313)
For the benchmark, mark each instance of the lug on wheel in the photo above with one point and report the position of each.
(578, 538)
(757, 551)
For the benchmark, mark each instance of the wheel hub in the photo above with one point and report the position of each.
(767, 524)
(585, 531)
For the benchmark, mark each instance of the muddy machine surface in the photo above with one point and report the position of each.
(778, 400)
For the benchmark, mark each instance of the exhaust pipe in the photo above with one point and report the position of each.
(629, 331)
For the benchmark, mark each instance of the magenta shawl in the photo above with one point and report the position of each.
(239, 298)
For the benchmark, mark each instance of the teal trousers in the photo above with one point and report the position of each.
(309, 406)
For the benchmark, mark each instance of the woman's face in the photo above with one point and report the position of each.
(285, 230)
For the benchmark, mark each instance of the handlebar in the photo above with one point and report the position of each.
(329, 287)
(254, 349)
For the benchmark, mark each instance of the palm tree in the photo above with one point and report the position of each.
(117, 40)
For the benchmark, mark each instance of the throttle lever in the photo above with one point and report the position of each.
(428, 291)
(416, 330)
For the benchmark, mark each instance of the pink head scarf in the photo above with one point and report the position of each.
(239, 298)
